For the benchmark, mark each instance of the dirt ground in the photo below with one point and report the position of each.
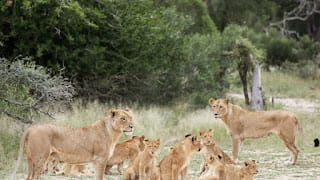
(272, 165)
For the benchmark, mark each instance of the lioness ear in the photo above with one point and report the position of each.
(187, 135)
(219, 156)
(211, 101)
(113, 112)
(158, 141)
(227, 101)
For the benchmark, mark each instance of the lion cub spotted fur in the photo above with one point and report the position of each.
(128, 149)
(143, 165)
(176, 162)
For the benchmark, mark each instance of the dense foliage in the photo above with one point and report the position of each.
(152, 51)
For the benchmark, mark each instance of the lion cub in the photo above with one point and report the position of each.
(246, 172)
(249, 170)
(74, 169)
(143, 165)
(210, 148)
(176, 162)
(215, 169)
(128, 149)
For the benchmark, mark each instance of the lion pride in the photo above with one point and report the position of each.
(243, 124)
(94, 143)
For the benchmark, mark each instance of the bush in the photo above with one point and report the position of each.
(280, 50)
(203, 75)
(28, 89)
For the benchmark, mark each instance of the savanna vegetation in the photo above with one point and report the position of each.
(67, 62)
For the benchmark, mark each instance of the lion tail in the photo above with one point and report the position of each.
(22, 142)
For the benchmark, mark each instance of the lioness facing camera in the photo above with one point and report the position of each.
(243, 124)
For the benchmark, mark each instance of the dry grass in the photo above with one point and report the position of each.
(170, 124)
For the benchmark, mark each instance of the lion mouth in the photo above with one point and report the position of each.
(127, 130)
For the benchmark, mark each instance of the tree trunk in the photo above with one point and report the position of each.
(256, 96)
(243, 71)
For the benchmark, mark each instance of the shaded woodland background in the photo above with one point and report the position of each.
(147, 51)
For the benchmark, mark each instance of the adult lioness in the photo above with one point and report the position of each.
(243, 124)
(94, 143)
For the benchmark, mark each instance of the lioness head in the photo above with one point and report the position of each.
(251, 166)
(121, 120)
(152, 146)
(206, 137)
(219, 107)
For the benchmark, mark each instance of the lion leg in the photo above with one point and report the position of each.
(174, 172)
(184, 173)
(203, 167)
(235, 147)
(120, 168)
(129, 175)
(39, 167)
(99, 168)
(289, 141)
(30, 169)
(107, 170)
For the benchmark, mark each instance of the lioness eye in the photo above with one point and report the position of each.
(220, 107)
(123, 119)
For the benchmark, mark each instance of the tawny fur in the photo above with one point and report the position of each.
(176, 162)
(243, 124)
(127, 150)
(94, 143)
(246, 172)
(141, 168)
(215, 169)
(210, 148)
(74, 169)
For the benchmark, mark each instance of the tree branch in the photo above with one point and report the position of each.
(302, 12)
(26, 121)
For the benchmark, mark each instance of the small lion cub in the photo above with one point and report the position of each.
(142, 167)
(176, 162)
(127, 150)
(210, 148)
(215, 169)
(246, 172)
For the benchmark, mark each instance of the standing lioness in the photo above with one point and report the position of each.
(243, 124)
(94, 143)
